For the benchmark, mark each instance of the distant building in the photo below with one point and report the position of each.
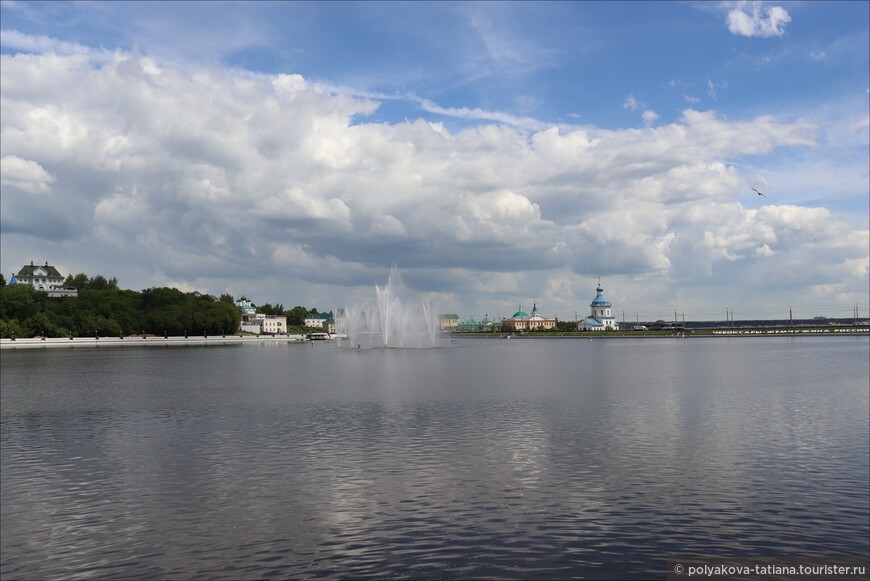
(472, 325)
(448, 322)
(254, 322)
(246, 307)
(322, 321)
(522, 321)
(602, 317)
(45, 279)
(272, 324)
(662, 325)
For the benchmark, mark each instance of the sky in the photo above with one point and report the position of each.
(501, 154)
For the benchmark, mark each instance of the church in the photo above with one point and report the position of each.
(522, 321)
(602, 314)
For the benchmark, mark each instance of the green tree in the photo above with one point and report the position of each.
(79, 281)
(40, 324)
(227, 298)
(296, 316)
(566, 326)
(10, 329)
(18, 302)
(268, 309)
(98, 282)
(2, 280)
(101, 308)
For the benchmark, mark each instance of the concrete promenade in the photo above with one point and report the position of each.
(93, 342)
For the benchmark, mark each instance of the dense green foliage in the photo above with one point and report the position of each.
(99, 282)
(296, 316)
(101, 308)
(566, 326)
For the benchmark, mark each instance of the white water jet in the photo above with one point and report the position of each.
(398, 319)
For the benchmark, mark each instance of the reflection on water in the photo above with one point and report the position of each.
(494, 459)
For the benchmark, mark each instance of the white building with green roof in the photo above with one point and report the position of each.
(44, 278)
(322, 321)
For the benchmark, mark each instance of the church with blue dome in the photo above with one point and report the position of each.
(602, 314)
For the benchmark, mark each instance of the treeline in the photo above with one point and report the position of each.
(295, 316)
(99, 282)
(101, 308)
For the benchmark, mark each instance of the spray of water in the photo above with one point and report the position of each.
(397, 320)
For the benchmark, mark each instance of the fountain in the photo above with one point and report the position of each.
(397, 320)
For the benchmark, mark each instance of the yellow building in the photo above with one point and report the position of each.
(522, 321)
(448, 322)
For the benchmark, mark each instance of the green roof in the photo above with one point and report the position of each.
(28, 271)
(520, 314)
(448, 316)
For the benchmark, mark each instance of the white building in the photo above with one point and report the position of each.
(602, 314)
(272, 324)
(322, 321)
(254, 322)
(44, 278)
(246, 307)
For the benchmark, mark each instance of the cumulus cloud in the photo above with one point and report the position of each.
(206, 176)
(649, 117)
(14, 40)
(748, 19)
(24, 174)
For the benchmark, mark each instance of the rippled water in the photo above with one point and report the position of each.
(488, 459)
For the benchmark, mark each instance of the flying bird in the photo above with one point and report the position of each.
(757, 192)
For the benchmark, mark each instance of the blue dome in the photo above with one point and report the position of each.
(600, 300)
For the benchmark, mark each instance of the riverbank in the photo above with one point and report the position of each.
(153, 341)
(60, 342)
(698, 333)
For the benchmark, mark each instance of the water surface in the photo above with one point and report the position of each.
(489, 459)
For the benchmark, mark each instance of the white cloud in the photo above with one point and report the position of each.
(209, 176)
(755, 23)
(650, 117)
(860, 126)
(712, 88)
(482, 115)
(630, 103)
(14, 40)
(25, 175)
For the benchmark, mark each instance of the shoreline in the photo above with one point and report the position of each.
(109, 342)
(93, 342)
(841, 332)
